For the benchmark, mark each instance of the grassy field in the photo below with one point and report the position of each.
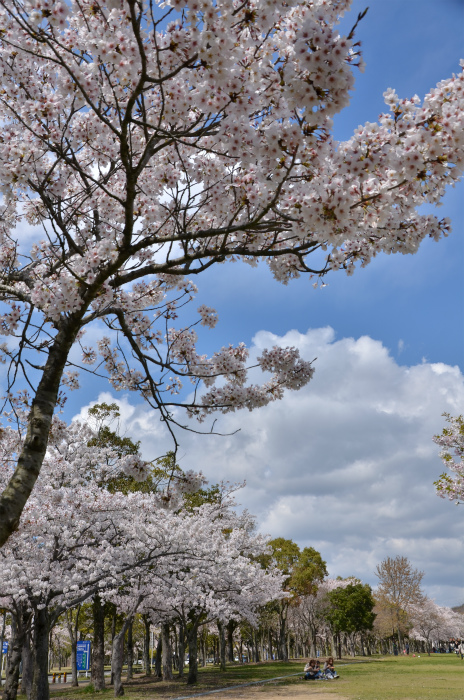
(438, 677)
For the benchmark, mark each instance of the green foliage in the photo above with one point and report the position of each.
(310, 569)
(202, 496)
(102, 416)
(303, 569)
(351, 608)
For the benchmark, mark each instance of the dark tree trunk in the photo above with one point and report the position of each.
(166, 653)
(159, 652)
(18, 490)
(116, 662)
(74, 680)
(118, 654)
(98, 651)
(231, 627)
(270, 644)
(130, 653)
(181, 649)
(40, 688)
(282, 648)
(113, 635)
(27, 666)
(203, 648)
(192, 636)
(19, 621)
(312, 642)
(146, 645)
(222, 645)
(73, 632)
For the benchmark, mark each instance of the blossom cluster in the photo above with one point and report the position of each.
(451, 441)
(150, 151)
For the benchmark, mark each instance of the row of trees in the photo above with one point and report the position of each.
(225, 618)
(338, 617)
(163, 547)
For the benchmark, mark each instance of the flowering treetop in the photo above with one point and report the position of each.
(79, 535)
(451, 441)
(153, 140)
(434, 622)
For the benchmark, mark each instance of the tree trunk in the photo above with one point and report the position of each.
(222, 645)
(166, 653)
(73, 632)
(118, 652)
(18, 633)
(282, 650)
(146, 645)
(181, 649)
(192, 636)
(40, 689)
(97, 671)
(203, 647)
(130, 653)
(27, 666)
(400, 639)
(14, 497)
(159, 653)
(113, 635)
(231, 627)
(116, 662)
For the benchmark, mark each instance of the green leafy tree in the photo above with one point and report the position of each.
(350, 610)
(304, 570)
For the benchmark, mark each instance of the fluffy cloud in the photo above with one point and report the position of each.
(346, 465)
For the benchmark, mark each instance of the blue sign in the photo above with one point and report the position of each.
(83, 656)
(5, 647)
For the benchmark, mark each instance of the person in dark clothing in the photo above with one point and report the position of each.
(312, 670)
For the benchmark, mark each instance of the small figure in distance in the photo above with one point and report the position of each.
(312, 670)
(329, 670)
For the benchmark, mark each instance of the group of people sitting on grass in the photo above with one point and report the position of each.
(313, 671)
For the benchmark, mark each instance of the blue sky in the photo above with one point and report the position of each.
(348, 464)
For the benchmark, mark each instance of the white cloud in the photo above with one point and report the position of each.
(347, 464)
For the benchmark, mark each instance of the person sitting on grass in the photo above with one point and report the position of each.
(329, 670)
(312, 670)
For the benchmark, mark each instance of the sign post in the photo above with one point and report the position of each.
(3, 657)
(83, 656)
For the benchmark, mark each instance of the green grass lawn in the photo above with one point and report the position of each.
(438, 677)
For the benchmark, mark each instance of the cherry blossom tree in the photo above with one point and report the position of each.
(451, 441)
(431, 622)
(152, 140)
(77, 538)
(227, 581)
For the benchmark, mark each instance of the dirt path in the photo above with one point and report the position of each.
(272, 691)
(268, 691)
